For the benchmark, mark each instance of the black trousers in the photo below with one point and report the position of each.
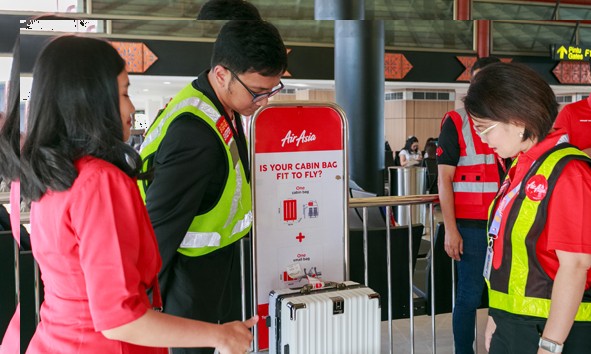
(205, 288)
(520, 335)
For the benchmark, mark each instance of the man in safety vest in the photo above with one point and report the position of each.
(469, 177)
(199, 199)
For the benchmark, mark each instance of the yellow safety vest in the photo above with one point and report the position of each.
(231, 218)
(520, 285)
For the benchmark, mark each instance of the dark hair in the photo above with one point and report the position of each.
(228, 10)
(74, 112)
(482, 62)
(411, 140)
(10, 129)
(429, 140)
(513, 93)
(250, 46)
(431, 149)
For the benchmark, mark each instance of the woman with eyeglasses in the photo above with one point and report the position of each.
(90, 231)
(539, 254)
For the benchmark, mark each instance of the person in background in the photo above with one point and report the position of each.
(428, 144)
(430, 162)
(199, 199)
(410, 155)
(430, 150)
(228, 10)
(575, 118)
(10, 173)
(539, 256)
(90, 232)
(468, 178)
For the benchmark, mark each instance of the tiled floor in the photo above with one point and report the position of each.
(423, 342)
(422, 335)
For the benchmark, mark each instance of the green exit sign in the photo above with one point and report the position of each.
(570, 52)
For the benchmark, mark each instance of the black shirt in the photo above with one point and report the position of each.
(448, 152)
(190, 171)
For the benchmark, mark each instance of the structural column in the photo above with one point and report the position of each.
(359, 86)
(462, 10)
(339, 9)
(483, 39)
(359, 83)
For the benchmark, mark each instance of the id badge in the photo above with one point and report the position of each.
(488, 263)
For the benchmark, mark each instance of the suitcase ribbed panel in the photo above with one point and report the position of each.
(310, 323)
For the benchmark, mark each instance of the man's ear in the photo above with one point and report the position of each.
(222, 76)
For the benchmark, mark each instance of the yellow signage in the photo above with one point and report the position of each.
(570, 52)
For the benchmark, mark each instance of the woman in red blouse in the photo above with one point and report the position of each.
(90, 231)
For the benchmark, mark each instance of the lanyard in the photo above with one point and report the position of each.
(495, 225)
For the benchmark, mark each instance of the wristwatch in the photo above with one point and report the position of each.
(550, 345)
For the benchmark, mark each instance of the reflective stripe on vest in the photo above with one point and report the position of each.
(476, 178)
(231, 217)
(482, 159)
(201, 239)
(471, 157)
(470, 187)
(520, 285)
(213, 239)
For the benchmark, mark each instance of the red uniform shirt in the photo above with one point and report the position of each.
(576, 119)
(568, 222)
(97, 253)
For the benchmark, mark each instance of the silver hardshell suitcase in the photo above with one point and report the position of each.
(343, 318)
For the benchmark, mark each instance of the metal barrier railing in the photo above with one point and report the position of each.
(389, 202)
(364, 203)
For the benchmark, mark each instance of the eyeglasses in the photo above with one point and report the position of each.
(486, 131)
(257, 97)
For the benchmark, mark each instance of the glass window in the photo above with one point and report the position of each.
(532, 38)
(442, 34)
(418, 95)
(489, 10)
(409, 9)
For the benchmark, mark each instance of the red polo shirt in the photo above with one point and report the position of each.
(568, 222)
(576, 119)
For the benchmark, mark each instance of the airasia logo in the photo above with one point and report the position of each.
(291, 138)
(536, 188)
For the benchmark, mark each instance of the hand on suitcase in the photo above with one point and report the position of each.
(237, 336)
